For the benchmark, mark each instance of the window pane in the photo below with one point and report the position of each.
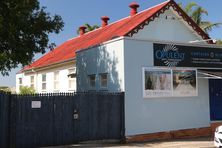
(56, 75)
(44, 86)
(32, 79)
(20, 80)
(43, 77)
(103, 80)
(92, 80)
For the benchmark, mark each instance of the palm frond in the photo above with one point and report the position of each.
(208, 26)
(197, 14)
(188, 8)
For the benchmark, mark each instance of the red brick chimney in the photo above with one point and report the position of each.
(105, 20)
(82, 30)
(133, 7)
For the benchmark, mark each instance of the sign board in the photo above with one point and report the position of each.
(165, 82)
(172, 55)
(184, 82)
(36, 104)
(157, 82)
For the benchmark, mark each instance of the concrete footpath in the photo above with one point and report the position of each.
(180, 143)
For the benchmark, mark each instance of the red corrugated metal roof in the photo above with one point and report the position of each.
(122, 27)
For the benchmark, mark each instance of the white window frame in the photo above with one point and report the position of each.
(92, 87)
(44, 82)
(102, 86)
(56, 80)
(71, 80)
(32, 81)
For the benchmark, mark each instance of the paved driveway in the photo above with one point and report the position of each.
(184, 143)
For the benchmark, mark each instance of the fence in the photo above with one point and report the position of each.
(60, 119)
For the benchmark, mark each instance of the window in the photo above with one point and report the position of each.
(71, 79)
(20, 82)
(56, 80)
(92, 81)
(43, 81)
(32, 82)
(103, 80)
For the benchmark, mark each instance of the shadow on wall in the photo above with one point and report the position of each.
(99, 60)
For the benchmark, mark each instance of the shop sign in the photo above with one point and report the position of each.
(171, 55)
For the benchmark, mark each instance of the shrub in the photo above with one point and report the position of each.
(26, 90)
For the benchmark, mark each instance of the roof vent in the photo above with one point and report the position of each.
(105, 20)
(133, 7)
(82, 30)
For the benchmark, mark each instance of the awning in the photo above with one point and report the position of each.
(72, 75)
(209, 73)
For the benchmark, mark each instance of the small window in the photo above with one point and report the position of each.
(71, 79)
(56, 80)
(103, 80)
(43, 81)
(32, 82)
(20, 82)
(92, 81)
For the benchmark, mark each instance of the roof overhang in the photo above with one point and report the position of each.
(54, 65)
(209, 73)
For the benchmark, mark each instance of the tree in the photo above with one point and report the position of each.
(26, 90)
(196, 12)
(89, 28)
(24, 29)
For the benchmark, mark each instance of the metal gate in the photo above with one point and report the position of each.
(61, 119)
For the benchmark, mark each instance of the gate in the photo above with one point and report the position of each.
(66, 118)
(4, 120)
(215, 87)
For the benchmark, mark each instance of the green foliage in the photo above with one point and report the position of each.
(5, 89)
(196, 12)
(26, 90)
(89, 28)
(219, 42)
(24, 29)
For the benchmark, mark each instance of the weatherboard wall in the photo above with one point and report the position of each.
(106, 58)
(152, 115)
(168, 27)
(63, 79)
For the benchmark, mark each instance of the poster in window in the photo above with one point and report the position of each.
(184, 82)
(157, 82)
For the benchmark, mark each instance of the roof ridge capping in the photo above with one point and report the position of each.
(190, 21)
(166, 5)
(122, 18)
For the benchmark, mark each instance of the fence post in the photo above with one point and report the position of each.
(12, 121)
(122, 102)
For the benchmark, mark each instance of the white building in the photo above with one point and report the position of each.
(156, 43)
(49, 79)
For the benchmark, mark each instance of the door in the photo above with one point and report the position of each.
(215, 86)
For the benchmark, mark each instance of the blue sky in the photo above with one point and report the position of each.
(78, 12)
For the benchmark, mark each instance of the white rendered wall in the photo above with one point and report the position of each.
(143, 115)
(107, 58)
(63, 79)
(167, 29)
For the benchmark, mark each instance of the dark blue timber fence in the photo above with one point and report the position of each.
(59, 119)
